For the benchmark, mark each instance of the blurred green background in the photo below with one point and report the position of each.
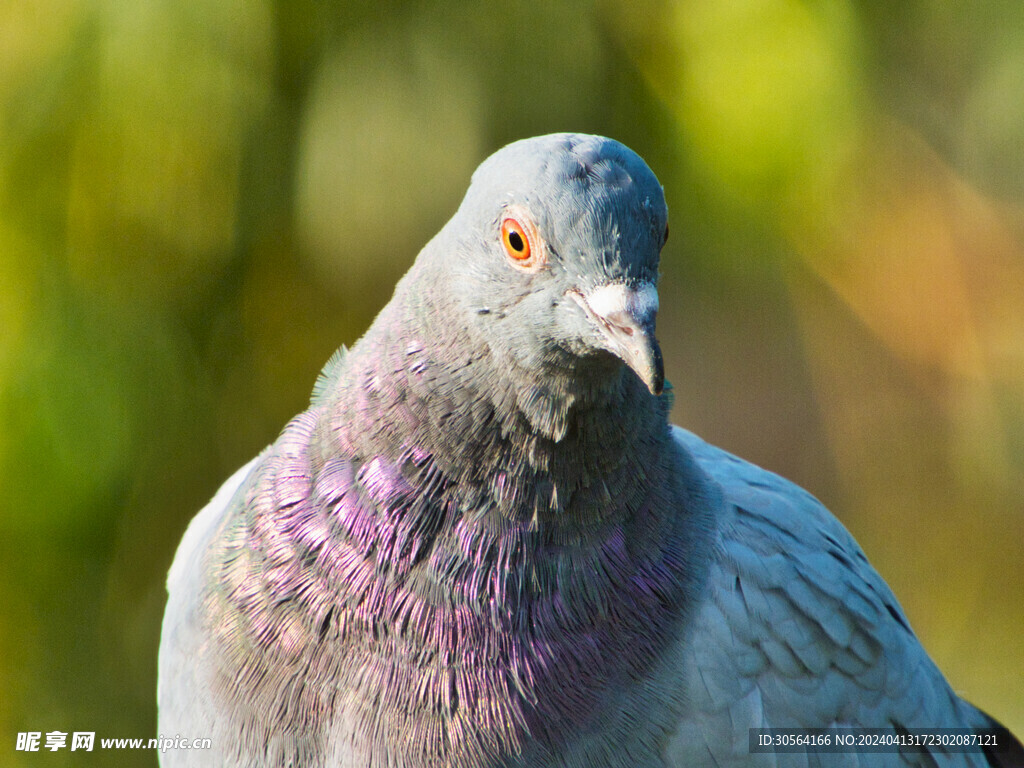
(200, 201)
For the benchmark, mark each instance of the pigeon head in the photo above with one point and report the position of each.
(555, 262)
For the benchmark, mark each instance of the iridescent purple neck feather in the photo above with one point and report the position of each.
(481, 531)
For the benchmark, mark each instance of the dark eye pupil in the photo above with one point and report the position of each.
(516, 241)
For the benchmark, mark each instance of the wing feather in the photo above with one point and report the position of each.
(798, 630)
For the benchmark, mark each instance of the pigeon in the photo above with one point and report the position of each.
(484, 544)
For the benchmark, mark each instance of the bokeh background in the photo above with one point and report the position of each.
(200, 201)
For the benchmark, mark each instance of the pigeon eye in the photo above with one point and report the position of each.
(515, 240)
(523, 244)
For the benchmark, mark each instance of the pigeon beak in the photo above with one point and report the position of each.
(625, 317)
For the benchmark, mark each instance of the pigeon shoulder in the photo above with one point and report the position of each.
(202, 528)
(185, 707)
(796, 629)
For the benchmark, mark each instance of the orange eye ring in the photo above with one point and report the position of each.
(523, 245)
(516, 241)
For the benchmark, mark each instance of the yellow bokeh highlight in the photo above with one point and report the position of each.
(765, 91)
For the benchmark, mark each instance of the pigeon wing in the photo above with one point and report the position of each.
(797, 630)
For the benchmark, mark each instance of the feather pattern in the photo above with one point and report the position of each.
(797, 630)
